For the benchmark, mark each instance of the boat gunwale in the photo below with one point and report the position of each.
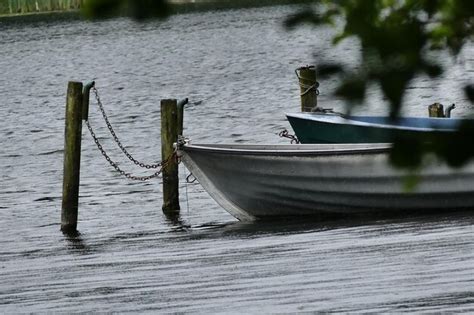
(290, 149)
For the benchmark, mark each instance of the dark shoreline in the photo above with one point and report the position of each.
(176, 8)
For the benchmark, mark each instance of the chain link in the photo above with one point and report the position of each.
(285, 134)
(162, 165)
(116, 139)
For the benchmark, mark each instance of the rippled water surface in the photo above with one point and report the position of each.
(236, 67)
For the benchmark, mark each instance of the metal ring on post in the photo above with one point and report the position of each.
(307, 67)
(85, 99)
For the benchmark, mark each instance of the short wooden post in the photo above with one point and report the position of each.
(308, 88)
(436, 110)
(169, 135)
(72, 157)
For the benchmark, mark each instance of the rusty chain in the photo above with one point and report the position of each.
(162, 165)
(116, 139)
(285, 134)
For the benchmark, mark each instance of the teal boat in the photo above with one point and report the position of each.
(319, 127)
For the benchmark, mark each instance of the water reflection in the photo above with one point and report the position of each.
(176, 222)
(285, 226)
(76, 244)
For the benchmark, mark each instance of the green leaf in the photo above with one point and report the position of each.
(101, 9)
(328, 69)
(146, 9)
(137, 9)
(433, 70)
(352, 89)
(469, 90)
(302, 17)
(410, 181)
(407, 152)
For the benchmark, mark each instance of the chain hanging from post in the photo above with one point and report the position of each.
(285, 134)
(190, 179)
(162, 165)
(116, 139)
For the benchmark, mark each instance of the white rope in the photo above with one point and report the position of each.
(186, 188)
(309, 88)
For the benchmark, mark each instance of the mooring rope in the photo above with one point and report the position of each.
(186, 190)
(307, 87)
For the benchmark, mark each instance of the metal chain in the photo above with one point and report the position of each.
(163, 164)
(190, 179)
(116, 139)
(285, 134)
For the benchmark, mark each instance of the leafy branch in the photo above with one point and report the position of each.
(396, 40)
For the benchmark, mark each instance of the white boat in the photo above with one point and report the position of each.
(259, 181)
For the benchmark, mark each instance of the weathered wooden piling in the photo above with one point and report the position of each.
(169, 135)
(436, 110)
(72, 157)
(308, 87)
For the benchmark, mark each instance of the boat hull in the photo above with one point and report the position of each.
(334, 128)
(266, 181)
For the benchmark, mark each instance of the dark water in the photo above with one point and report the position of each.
(237, 69)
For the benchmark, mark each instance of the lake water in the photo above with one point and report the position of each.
(237, 69)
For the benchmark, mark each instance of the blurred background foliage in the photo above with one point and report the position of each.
(148, 9)
(397, 39)
(138, 9)
(31, 6)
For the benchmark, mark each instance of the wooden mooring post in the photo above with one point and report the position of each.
(169, 135)
(308, 87)
(436, 110)
(77, 109)
(72, 157)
